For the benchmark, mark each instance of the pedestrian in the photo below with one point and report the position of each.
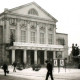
(23, 65)
(5, 68)
(49, 70)
(14, 65)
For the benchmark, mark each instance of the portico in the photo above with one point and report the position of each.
(33, 55)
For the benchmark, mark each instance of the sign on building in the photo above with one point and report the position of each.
(62, 62)
(55, 63)
(58, 62)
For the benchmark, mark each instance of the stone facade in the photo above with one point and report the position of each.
(33, 32)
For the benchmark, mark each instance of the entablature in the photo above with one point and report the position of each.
(31, 18)
(34, 46)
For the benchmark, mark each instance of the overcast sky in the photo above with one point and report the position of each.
(67, 12)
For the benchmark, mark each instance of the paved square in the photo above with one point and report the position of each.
(29, 74)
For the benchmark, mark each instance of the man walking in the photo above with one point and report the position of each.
(14, 64)
(49, 70)
(5, 68)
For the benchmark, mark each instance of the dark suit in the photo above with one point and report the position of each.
(49, 72)
(5, 67)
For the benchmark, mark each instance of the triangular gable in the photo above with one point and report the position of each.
(24, 10)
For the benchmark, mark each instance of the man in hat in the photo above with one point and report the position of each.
(49, 70)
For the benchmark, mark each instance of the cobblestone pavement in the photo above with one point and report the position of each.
(29, 74)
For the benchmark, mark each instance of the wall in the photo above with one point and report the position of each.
(65, 38)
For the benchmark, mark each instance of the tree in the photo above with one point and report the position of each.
(75, 50)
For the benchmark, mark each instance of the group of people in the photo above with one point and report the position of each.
(48, 66)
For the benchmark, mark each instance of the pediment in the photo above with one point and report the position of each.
(32, 9)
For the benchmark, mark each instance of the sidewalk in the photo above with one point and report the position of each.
(70, 74)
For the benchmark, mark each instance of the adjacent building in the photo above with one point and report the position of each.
(28, 34)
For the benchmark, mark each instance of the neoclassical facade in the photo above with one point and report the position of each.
(28, 34)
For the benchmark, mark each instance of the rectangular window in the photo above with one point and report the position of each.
(12, 33)
(32, 37)
(61, 41)
(23, 36)
(41, 38)
(50, 38)
(12, 36)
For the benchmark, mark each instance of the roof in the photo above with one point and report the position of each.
(37, 6)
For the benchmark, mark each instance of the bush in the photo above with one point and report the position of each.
(19, 66)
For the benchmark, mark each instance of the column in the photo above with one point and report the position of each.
(13, 55)
(28, 32)
(18, 32)
(26, 35)
(35, 57)
(7, 31)
(54, 54)
(62, 54)
(37, 33)
(25, 56)
(45, 55)
(54, 36)
(46, 35)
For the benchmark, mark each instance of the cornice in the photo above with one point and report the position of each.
(61, 33)
(31, 18)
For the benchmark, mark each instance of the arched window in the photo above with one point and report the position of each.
(33, 12)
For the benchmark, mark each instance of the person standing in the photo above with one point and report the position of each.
(49, 70)
(14, 65)
(5, 68)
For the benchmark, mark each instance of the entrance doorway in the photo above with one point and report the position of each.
(50, 55)
(19, 56)
(40, 57)
(30, 57)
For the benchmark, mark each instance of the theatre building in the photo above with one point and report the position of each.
(28, 34)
